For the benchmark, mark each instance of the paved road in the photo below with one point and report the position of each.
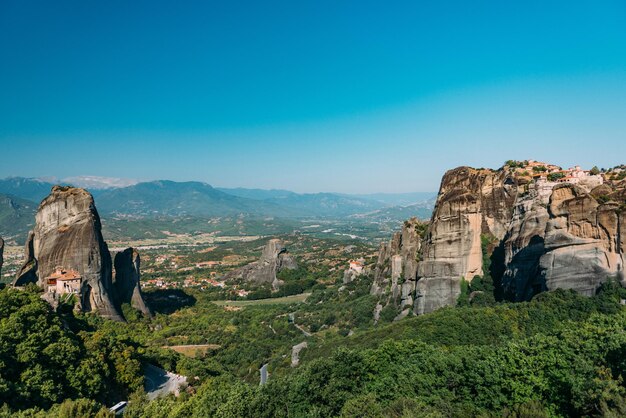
(159, 382)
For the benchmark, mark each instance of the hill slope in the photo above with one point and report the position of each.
(166, 197)
(17, 216)
(25, 188)
(200, 199)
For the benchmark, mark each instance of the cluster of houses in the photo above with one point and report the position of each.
(188, 282)
(540, 171)
(357, 266)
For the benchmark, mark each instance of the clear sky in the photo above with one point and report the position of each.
(346, 96)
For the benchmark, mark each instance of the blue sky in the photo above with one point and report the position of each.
(346, 96)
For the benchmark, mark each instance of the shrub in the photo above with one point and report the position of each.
(555, 176)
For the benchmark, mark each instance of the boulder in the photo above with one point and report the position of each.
(436, 292)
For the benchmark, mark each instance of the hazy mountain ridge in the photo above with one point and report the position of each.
(422, 210)
(194, 202)
(398, 199)
(166, 197)
(16, 216)
(26, 188)
(171, 198)
(99, 182)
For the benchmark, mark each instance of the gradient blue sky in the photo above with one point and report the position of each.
(346, 96)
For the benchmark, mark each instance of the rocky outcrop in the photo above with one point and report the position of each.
(356, 269)
(569, 241)
(126, 280)
(536, 226)
(524, 243)
(1, 254)
(28, 272)
(295, 353)
(396, 266)
(274, 258)
(472, 203)
(68, 238)
(68, 234)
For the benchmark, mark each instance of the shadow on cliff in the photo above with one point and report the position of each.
(524, 279)
(167, 301)
(496, 270)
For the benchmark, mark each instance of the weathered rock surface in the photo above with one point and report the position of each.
(524, 243)
(274, 258)
(295, 353)
(436, 292)
(126, 280)
(68, 234)
(570, 241)
(28, 272)
(1, 254)
(561, 230)
(395, 270)
(471, 203)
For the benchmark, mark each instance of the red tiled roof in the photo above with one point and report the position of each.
(62, 274)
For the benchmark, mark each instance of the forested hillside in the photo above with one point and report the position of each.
(561, 354)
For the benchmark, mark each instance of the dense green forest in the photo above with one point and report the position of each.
(561, 354)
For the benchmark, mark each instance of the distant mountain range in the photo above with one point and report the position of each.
(98, 183)
(26, 188)
(170, 198)
(422, 210)
(399, 199)
(166, 198)
(17, 216)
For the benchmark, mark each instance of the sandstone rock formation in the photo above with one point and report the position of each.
(569, 240)
(471, 203)
(68, 234)
(67, 246)
(539, 227)
(126, 280)
(274, 258)
(395, 270)
(28, 272)
(1, 254)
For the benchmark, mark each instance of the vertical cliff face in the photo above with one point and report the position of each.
(396, 267)
(471, 203)
(67, 239)
(28, 272)
(554, 228)
(524, 243)
(68, 235)
(567, 240)
(1, 254)
(126, 280)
